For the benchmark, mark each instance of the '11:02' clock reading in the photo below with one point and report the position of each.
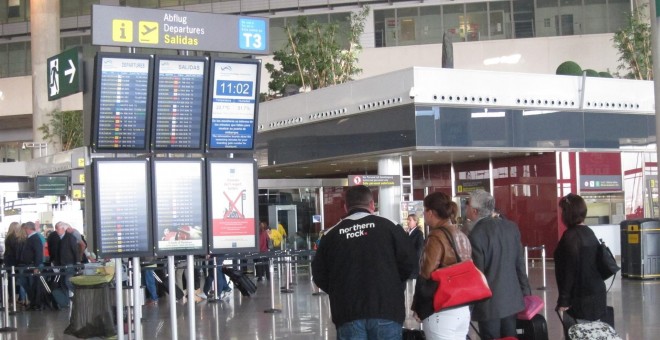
(234, 88)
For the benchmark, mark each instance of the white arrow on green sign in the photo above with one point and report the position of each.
(64, 74)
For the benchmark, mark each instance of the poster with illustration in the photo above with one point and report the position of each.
(232, 206)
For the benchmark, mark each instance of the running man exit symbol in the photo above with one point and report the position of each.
(148, 33)
(122, 30)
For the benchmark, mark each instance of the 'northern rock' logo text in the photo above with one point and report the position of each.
(356, 230)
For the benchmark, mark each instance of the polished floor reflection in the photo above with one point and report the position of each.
(305, 315)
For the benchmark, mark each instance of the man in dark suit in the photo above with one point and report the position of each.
(32, 255)
(497, 252)
(68, 252)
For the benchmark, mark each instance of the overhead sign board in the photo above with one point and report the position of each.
(178, 30)
(64, 74)
(374, 180)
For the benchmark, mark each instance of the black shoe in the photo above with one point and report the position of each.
(259, 279)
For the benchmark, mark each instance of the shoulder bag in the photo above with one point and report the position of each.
(605, 261)
(458, 284)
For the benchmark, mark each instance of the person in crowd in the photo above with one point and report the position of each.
(68, 253)
(276, 237)
(453, 323)
(82, 245)
(223, 286)
(150, 283)
(262, 267)
(417, 238)
(32, 256)
(582, 291)
(497, 251)
(363, 263)
(14, 242)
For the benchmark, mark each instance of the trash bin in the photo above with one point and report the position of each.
(91, 314)
(640, 248)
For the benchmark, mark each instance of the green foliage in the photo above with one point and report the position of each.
(314, 57)
(569, 68)
(634, 45)
(605, 75)
(65, 127)
(591, 73)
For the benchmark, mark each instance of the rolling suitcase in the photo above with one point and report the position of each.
(242, 282)
(534, 329)
(162, 286)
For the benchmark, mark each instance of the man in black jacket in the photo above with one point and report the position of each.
(32, 255)
(68, 252)
(498, 253)
(363, 263)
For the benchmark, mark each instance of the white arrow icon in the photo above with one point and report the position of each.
(70, 72)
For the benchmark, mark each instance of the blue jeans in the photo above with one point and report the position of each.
(370, 329)
(150, 282)
(222, 281)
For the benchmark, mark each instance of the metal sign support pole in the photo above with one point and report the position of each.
(5, 291)
(272, 309)
(119, 303)
(191, 297)
(174, 332)
(137, 297)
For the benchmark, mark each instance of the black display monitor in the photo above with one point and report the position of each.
(122, 102)
(179, 191)
(232, 206)
(51, 185)
(122, 207)
(180, 87)
(233, 104)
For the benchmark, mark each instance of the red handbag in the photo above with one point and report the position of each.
(459, 284)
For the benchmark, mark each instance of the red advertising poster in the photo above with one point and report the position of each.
(232, 206)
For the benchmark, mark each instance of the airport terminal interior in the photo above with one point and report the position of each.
(305, 315)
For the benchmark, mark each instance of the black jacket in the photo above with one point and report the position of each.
(13, 250)
(498, 253)
(417, 238)
(363, 263)
(33, 252)
(53, 242)
(578, 281)
(68, 252)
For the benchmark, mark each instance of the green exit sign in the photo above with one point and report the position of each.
(64, 74)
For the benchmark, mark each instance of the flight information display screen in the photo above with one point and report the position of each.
(179, 104)
(122, 207)
(179, 207)
(122, 102)
(233, 103)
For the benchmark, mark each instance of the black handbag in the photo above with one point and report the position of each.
(605, 262)
(413, 334)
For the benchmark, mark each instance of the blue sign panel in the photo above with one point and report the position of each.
(252, 34)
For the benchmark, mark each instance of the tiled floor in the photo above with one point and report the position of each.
(307, 316)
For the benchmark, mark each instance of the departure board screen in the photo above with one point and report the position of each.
(180, 98)
(122, 102)
(232, 206)
(122, 208)
(233, 103)
(179, 212)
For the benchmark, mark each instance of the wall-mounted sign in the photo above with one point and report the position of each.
(64, 71)
(51, 185)
(470, 185)
(374, 180)
(178, 30)
(601, 183)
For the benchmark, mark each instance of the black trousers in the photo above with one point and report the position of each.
(498, 328)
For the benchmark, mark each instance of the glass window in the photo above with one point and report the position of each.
(69, 42)
(618, 12)
(320, 18)
(548, 129)
(18, 58)
(343, 21)
(4, 61)
(475, 22)
(169, 3)
(407, 24)
(278, 36)
(3, 12)
(570, 12)
(16, 10)
(595, 17)
(523, 18)
(452, 17)
(430, 25)
(385, 28)
(69, 8)
(500, 20)
(547, 18)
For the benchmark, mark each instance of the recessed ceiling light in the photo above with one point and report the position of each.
(278, 170)
(429, 160)
(337, 170)
(470, 156)
(333, 164)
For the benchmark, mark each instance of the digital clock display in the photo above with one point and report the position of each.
(233, 104)
(235, 88)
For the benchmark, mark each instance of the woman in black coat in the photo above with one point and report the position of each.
(582, 293)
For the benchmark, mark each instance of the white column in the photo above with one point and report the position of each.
(45, 36)
(389, 197)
